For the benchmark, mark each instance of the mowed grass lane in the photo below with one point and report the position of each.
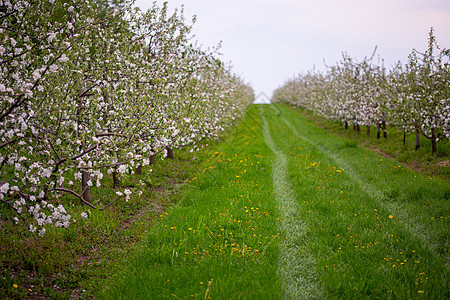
(284, 210)
(375, 228)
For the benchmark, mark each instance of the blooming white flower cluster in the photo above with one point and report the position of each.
(81, 99)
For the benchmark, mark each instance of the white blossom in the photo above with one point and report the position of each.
(32, 228)
(36, 74)
(51, 37)
(53, 68)
(4, 188)
(78, 176)
(41, 232)
(46, 173)
(63, 58)
(122, 169)
(127, 193)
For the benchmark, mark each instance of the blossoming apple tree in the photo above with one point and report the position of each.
(88, 89)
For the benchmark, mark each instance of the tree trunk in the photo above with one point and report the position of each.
(170, 153)
(384, 130)
(85, 186)
(368, 130)
(404, 137)
(116, 180)
(346, 125)
(417, 140)
(379, 131)
(139, 170)
(358, 129)
(152, 159)
(433, 141)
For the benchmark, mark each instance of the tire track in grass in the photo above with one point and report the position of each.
(414, 227)
(296, 265)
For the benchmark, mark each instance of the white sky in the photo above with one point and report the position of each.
(269, 41)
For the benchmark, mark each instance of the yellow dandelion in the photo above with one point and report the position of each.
(390, 216)
(15, 286)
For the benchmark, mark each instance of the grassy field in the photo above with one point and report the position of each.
(279, 208)
(284, 209)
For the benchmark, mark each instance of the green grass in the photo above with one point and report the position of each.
(222, 241)
(376, 228)
(420, 160)
(279, 208)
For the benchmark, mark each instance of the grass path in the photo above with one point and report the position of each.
(296, 266)
(284, 210)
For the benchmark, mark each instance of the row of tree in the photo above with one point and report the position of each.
(90, 88)
(414, 97)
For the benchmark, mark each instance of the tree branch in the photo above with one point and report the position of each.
(75, 194)
(7, 143)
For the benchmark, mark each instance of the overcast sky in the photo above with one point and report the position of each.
(269, 41)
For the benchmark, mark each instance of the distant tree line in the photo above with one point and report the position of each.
(414, 97)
